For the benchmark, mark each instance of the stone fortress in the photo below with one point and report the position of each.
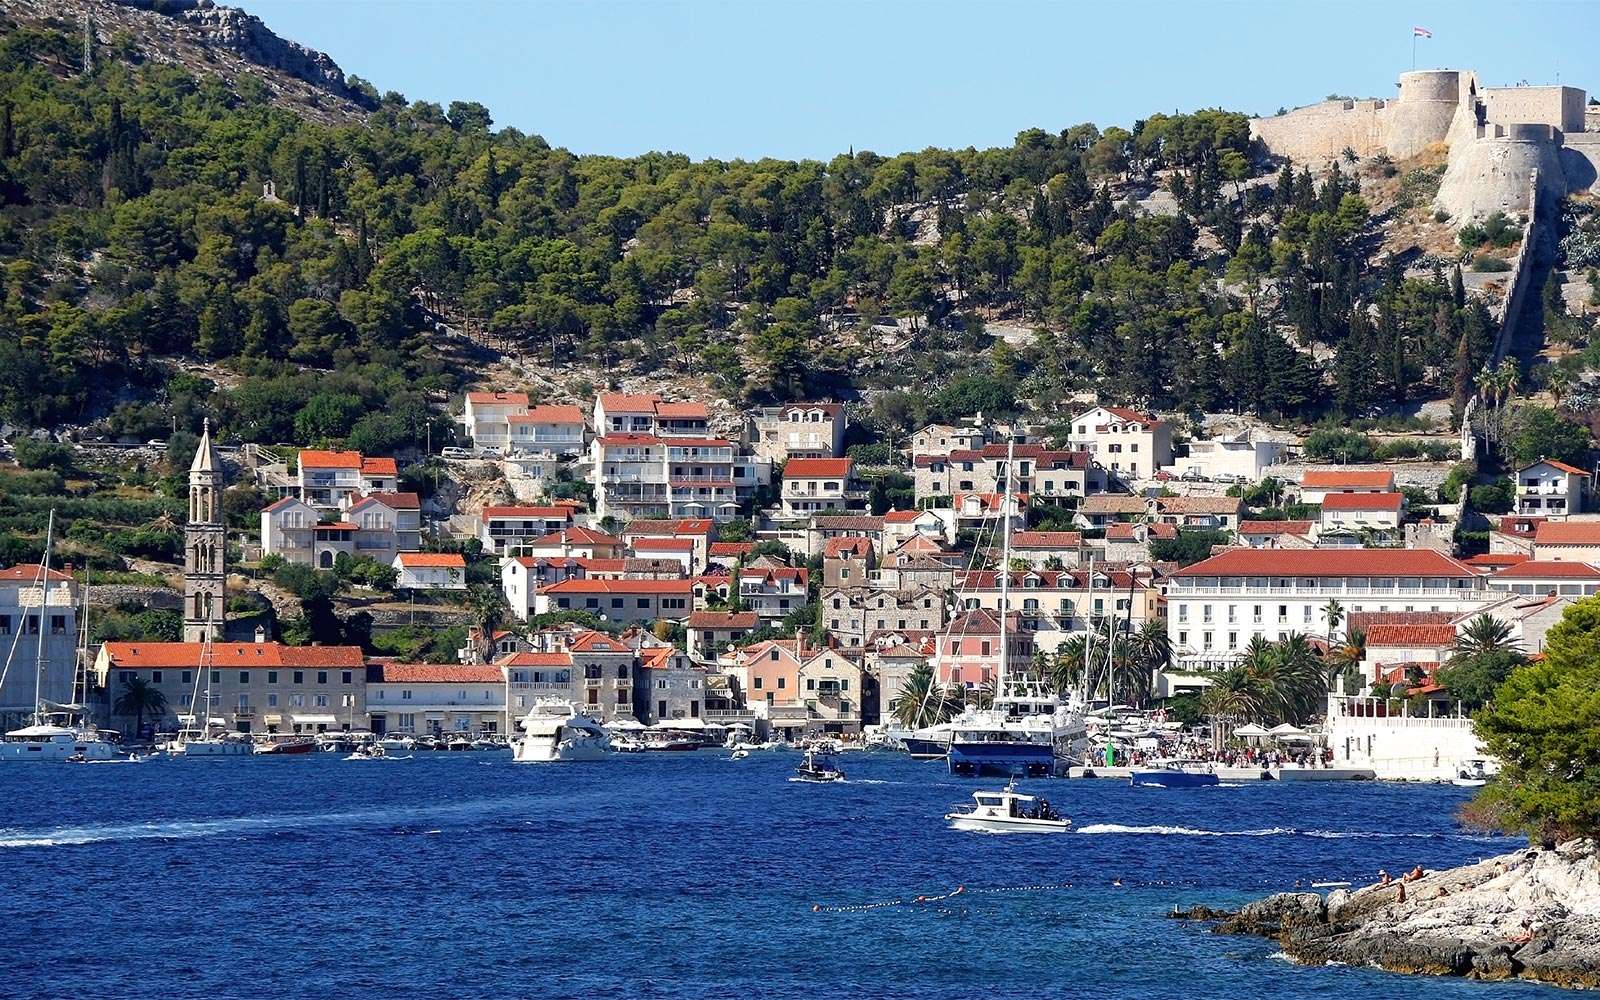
(1501, 140)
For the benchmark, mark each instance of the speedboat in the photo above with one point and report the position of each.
(1472, 774)
(459, 744)
(1176, 774)
(554, 730)
(368, 751)
(284, 748)
(405, 743)
(818, 768)
(1008, 811)
(739, 754)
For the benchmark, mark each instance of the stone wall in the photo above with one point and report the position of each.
(1424, 475)
(1490, 175)
(1510, 308)
(156, 598)
(1319, 133)
(1558, 107)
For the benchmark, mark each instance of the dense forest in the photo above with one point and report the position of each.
(138, 244)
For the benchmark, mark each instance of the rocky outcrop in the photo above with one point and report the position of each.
(1530, 915)
(249, 36)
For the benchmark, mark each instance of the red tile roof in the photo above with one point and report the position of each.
(545, 513)
(1364, 620)
(732, 548)
(379, 467)
(1363, 501)
(1545, 569)
(1497, 560)
(1328, 562)
(619, 440)
(1046, 539)
(513, 398)
(229, 655)
(1561, 466)
(902, 516)
(723, 619)
(30, 573)
(281, 504)
(549, 415)
(813, 468)
(537, 660)
(683, 411)
(835, 548)
(579, 536)
(775, 573)
(432, 560)
(622, 402)
(1274, 527)
(596, 642)
(310, 459)
(652, 544)
(1420, 636)
(1347, 479)
(1199, 505)
(434, 673)
(1567, 533)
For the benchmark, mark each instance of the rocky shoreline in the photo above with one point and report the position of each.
(1533, 914)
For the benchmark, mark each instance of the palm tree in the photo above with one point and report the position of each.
(1066, 669)
(1485, 634)
(1344, 660)
(138, 699)
(1301, 677)
(922, 702)
(1333, 614)
(1227, 698)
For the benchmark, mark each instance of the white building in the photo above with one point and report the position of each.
(328, 478)
(1237, 459)
(1217, 605)
(485, 419)
(430, 571)
(39, 622)
(773, 592)
(817, 484)
(646, 476)
(508, 530)
(1357, 519)
(625, 602)
(621, 413)
(556, 430)
(1126, 443)
(1315, 484)
(436, 699)
(1551, 489)
(1538, 578)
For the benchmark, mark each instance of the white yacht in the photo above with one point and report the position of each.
(1008, 811)
(50, 738)
(553, 730)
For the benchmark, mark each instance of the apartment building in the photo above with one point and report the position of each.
(1053, 475)
(646, 476)
(669, 687)
(1567, 541)
(1552, 489)
(832, 688)
(796, 430)
(1063, 600)
(1357, 519)
(1316, 484)
(326, 479)
(773, 592)
(820, 484)
(553, 430)
(38, 621)
(622, 413)
(626, 602)
(486, 416)
(1126, 443)
(708, 633)
(508, 530)
(436, 699)
(1217, 605)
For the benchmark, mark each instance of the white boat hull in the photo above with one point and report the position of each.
(996, 824)
(57, 751)
(227, 748)
(540, 751)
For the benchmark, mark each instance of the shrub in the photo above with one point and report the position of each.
(32, 454)
(1495, 498)
(1488, 264)
(1333, 444)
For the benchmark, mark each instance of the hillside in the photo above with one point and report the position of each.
(340, 274)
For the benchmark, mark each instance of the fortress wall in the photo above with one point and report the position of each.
(1580, 162)
(1318, 133)
(1496, 175)
(1559, 107)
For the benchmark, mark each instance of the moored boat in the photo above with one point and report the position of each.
(287, 747)
(1176, 774)
(553, 730)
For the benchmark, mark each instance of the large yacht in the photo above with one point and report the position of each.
(553, 730)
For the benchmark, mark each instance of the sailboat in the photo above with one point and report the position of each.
(1028, 730)
(203, 736)
(57, 731)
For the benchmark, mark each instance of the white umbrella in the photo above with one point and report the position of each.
(1284, 729)
(625, 724)
(680, 724)
(1251, 730)
(742, 727)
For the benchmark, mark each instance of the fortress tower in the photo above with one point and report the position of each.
(204, 547)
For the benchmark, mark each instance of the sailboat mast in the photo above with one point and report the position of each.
(1088, 634)
(44, 607)
(1005, 562)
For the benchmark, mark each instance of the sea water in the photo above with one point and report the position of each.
(682, 875)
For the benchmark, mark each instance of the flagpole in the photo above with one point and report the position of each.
(1413, 48)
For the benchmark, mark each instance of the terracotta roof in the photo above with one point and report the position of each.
(1411, 635)
(579, 536)
(281, 504)
(1365, 620)
(723, 619)
(1363, 501)
(618, 440)
(846, 522)
(379, 467)
(653, 544)
(310, 459)
(335, 526)
(657, 526)
(732, 548)
(1199, 505)
(1567, 533)
(1122, 413)
(397, 501)
(1046, 539)
(902, 516)
(513, 398)
(1328, 562)
(1274, 527)
(1318, 479)
(548, 415)
(1497, 560)
(990, 501)
(537, 660)
(1520, 524)
(674, 587)
(835, 548)
(229, 655)
(622, 402)
(832, 409)
(1543, 569)
(1561, 466)
(790, 573)
(432, 560)
(596, 642)
(1113, 503)
(812, 468)
(563, 513)
(30, 573)
(434, 673)
(683, 411)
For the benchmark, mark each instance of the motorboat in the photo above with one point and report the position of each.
(1176, 773)
(1028, 732)
(669, 742)
(739, 754)
(929, 742)
(47, 740)
(627, 744)
(485, 743)
(459, 744)
(288, 747)
(554, 730)
(1472, 774)
(1009, 811)
(393, 743)
(817, 768)
(368, 751)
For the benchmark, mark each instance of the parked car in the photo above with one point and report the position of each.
(454, 452)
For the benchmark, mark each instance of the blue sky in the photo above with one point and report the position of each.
(747, 78)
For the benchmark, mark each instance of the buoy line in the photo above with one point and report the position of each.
(921, 900)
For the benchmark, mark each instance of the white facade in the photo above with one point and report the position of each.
(557, 430)
(485, 418)
(1236, 458)
(1126, 443)
(39, 619)
(1551, 489)
(430, 571)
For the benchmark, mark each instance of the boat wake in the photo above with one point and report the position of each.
(241, 825)
(1272, 831)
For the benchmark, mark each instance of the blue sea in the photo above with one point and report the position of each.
(670, 875)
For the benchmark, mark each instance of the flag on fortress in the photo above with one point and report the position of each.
(1421, 33)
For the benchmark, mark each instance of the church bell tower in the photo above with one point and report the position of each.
(204, 546)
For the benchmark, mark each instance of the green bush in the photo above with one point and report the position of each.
(33, 454)
(1495, 498)
(1489, 264)
(1335, 444)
